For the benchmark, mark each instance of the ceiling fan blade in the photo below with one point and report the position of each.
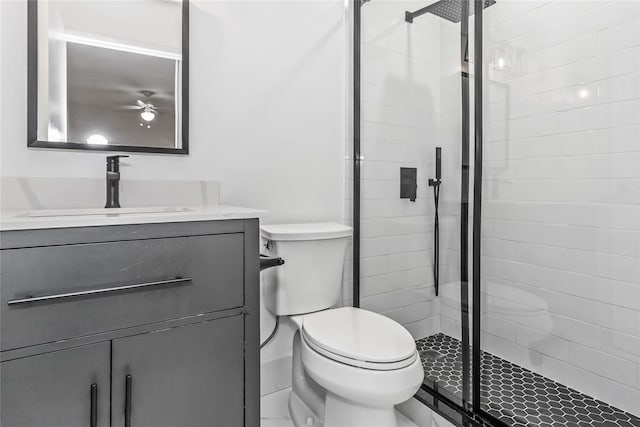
(163, 96)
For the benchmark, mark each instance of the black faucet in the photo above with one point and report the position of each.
(113, 181)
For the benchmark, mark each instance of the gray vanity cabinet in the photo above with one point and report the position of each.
(162, 319)
(60, 388)
(186, 376)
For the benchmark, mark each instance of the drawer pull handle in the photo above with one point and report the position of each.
(94, 405)
(128, 380)
(77, 294)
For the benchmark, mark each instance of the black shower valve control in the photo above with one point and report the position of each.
(434, 182)
(408, 183)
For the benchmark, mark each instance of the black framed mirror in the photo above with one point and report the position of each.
(109, 75)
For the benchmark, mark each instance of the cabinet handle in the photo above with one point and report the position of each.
(91, 292)
(93, 422)
(127, 400)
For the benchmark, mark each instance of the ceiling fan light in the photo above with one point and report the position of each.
(147, 115)
(97, 139)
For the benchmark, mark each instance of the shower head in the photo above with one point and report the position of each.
(451, 10)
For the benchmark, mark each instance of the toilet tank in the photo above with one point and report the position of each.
(311, 278)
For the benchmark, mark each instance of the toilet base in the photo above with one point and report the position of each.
(302, 416)
(342, 413)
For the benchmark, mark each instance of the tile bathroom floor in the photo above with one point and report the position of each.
(514, 394)
(274, 411)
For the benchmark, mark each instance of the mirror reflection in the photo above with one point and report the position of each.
(110, 74)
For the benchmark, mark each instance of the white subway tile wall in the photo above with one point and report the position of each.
(400, 125)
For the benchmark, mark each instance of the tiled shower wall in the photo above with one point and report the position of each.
(561, 218)
(400, 102)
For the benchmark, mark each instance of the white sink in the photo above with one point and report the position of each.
(105, 211)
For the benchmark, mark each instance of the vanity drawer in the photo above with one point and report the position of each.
(60, 292)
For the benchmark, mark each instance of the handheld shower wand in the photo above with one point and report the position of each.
(438, 163)
(435, 183)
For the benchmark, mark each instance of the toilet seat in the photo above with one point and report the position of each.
(359, 338)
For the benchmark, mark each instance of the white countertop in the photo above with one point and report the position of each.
(30, 220)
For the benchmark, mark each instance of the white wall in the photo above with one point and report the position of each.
(266, 109)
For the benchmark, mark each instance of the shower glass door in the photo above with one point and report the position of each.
(417, 96)
(539, 244)
(561, 213)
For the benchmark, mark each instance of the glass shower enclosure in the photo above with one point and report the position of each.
(516, 265)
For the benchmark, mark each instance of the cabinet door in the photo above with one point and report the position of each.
(190, 376)
(55, 389)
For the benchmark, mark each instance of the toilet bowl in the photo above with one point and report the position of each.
(350, 366)
(364, 362)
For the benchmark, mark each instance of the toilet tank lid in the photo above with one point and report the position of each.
(314, 231)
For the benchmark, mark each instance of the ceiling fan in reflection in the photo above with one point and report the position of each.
(149, 111)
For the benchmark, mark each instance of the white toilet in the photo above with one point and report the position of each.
(350, 366)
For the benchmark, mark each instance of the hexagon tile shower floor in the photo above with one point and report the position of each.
(514, 394)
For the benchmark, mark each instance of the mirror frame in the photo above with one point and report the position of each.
(32, 93)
